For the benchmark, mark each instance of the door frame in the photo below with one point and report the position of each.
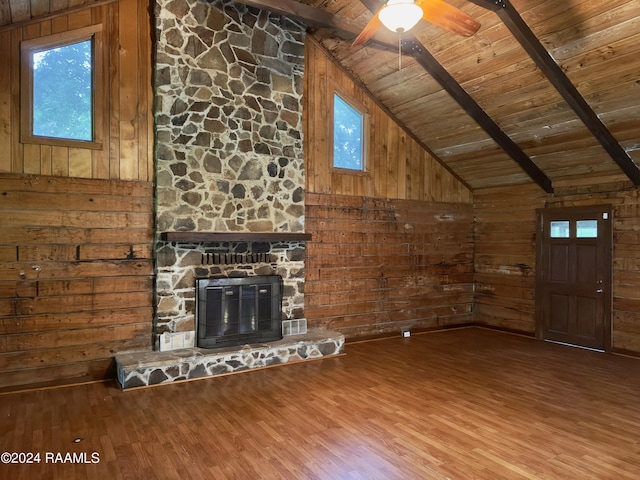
(542, 214)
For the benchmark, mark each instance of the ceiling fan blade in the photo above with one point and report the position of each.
(440, 13)
(368, 31)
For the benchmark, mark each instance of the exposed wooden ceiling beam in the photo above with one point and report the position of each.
(316, 17)
(393, 117)
(460, 95)
(545, 62)
(305, 13)
(320, 18)
(489, 4)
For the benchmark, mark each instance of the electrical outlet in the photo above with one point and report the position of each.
(406, 333)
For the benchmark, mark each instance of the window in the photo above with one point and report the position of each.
(348, 135)
(587, 229)
(583, 229)
(560, 229)
(61, 83)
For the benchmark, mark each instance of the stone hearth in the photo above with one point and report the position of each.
(138, 369)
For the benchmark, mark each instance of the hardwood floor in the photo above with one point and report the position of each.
(459, 404)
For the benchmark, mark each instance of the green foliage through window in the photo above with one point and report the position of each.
(348, 136)
(62, 92)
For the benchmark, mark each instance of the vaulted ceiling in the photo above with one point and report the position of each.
(546, 91)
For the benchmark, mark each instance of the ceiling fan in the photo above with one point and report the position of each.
(402, 15)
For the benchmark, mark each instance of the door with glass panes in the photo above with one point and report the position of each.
(573, 276)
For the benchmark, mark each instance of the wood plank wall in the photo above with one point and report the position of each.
(76, 225)
(392, 247)
(76, 276)
(505, 255)
(377, 265)
(397, 165)
(128, 133)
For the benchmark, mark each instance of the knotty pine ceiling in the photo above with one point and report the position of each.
(509, 120)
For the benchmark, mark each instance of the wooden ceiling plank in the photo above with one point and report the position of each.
(470, 106)
(20, 10)
(305, 13)
(493, 5)
(448, 83)
(316, 17)
(398, 121)
(5, 13)
(568, 91)
(39, 8)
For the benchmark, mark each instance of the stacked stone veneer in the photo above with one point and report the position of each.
(151, 368)
(229, 153)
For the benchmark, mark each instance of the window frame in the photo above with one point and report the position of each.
(27, 49)
(362, 110)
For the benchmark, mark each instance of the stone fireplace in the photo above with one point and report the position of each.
(230, 184)
(230, 165)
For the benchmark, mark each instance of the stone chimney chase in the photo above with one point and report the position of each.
(228, 86)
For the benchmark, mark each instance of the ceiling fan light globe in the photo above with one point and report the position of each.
(400, 15)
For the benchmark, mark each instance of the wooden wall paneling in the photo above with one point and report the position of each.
(80, 163)
(505, 257)
(61, 373)
(129, 90)
(60, 161)
(136, 162)
(45, 28)
(417, 180)
(16, 146)
(307, 117)
(60, 24)
(395, 161)
(378, 264)
(30, 342)
(113, 92)
(45, 160)
(79, 19)
(100, 157)
(146, 163)
(31, 159)
(433, 180)
(73, 293)
(378, 154)
(72, 290)
(401, 174)
(318, 168)
(626, 272)
(5, 101)
(30, 31)
(76, 320)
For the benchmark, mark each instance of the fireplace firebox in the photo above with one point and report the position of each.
(237, 311)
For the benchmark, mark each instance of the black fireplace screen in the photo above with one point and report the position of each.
(236, 311)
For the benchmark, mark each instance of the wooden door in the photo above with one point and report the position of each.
(573, 276)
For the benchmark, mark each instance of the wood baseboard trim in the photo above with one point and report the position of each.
(417, 331)
(71, 382)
